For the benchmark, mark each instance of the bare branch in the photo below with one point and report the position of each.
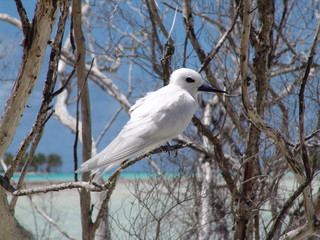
(83, 95)
(286, 207)
(50, 220)
(33, 56)
(303, 147)
(26, 26)
(26, 165)
(47, 92)
(59, 187)
(219, 156)
(93, 186)
(215, 50)
(168, 49)
(9, 19)
(111, 121)
(96, 73)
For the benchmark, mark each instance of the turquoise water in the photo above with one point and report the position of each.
(40, 177)
(62, 177)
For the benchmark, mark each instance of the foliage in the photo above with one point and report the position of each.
(40, 162)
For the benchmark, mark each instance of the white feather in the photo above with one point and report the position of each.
(154, 120)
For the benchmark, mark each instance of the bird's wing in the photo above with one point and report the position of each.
(154, 120)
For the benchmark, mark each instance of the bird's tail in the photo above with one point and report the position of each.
(97, 169)
(82, 169)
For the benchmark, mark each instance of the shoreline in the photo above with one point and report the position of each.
(45, 177)
(64, 207)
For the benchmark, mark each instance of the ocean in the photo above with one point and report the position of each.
(64, 206)
(59, 177)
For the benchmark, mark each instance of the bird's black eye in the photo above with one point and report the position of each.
(189, 80)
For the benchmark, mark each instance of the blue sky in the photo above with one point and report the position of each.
(56, 138)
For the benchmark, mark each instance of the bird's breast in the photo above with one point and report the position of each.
(176, 116)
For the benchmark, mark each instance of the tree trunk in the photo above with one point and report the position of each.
(205, 214)
(262, 47)
(34, 48)
(85, 198)
(10, 227)
(36, 37)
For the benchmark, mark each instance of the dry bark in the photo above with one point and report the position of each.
(36, 37)
(83, 95)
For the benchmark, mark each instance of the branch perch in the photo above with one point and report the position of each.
(93, 187)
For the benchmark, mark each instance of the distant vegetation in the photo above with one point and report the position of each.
(40, 162)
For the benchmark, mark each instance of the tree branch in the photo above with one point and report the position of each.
(50, 220)
(93, 186)
(241, 221)
(168, 49)
(12, 20)
(304, 151)
(25, 23)
(26, 165)
(219, 156)
(33, 55)
(83, 95)
(96, 73)
(286, 207)
(216, 49)
(189, 28)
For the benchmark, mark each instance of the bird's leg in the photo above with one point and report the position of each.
(91, 179)
(175, 152)
(167, 147)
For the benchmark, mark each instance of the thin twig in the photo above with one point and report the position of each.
(106, 200)
(26, 25)
(113, 178)
(75, 144)
(50, 220)
(286, 207)
(114, 117)
(26, 165)
(215, 50)
(173, 23)
(304, 151)
(66, 82)
(43, 116)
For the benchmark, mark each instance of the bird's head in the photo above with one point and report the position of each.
(191, 81)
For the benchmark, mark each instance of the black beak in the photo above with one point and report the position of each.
(206, 88)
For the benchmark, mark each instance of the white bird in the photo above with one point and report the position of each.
(154, 119)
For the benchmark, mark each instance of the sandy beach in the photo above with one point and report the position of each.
(63, 206)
